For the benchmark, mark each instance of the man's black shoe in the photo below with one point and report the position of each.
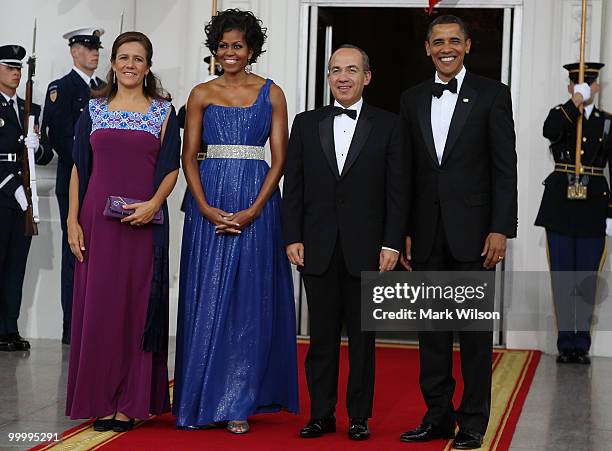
(565, 357)
(582, 358)
(20, 343)
(6, 344)
(426, 432)
(316, 428)
(467, 440)
(358, 429)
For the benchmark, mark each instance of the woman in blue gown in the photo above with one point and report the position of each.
(236, 346)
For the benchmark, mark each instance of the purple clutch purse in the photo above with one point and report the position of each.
(114, 209)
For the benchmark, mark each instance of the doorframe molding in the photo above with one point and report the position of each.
(513, 71)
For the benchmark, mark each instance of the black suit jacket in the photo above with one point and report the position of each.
(10, 133)
(475, 186)
(364, 206)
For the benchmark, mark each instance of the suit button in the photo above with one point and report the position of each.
(81, 110)
(582, 152)
(584, 139)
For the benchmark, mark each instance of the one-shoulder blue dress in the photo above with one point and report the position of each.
(236, 343)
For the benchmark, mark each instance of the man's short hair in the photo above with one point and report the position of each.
(364, 55)
(448, 19)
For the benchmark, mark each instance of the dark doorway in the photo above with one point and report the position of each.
(394, 40)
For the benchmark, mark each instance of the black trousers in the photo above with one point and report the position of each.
(333, 298)
(14, 248)
(67, 271)
(436, 351)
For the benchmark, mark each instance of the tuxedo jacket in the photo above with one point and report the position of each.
(364, 206)
(10, 142)
(474, 188)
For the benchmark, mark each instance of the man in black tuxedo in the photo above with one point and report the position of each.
(463, 206)
(344, 212)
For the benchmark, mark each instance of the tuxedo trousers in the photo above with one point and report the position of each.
(334, 298)
(436, 357)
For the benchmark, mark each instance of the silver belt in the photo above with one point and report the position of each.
(236, 151)
(12, 157)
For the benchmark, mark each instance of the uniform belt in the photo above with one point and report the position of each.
(236, 151)
(585, 170)
(10, 157)
(201, 156)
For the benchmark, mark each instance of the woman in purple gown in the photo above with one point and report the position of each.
(127, 144)
(235, 345)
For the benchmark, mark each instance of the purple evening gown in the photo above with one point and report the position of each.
(108, 370)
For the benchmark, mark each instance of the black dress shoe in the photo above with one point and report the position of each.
(123, 426)
(316, 428)
(20, 343)
(101, 425)
(565, 357)
(358, 429)
(6, 344)
(426, 432)
(467, 440)
(582, 358)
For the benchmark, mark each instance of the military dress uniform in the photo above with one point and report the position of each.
(14, 245)
(65, 101)
(576, 228)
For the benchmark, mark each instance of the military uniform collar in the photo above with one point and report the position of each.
(7, 98)
(86, 78)
(588, 111)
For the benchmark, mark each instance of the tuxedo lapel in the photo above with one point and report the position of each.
(424, 114)
(362, 131)
(465, 101)
(326, 135)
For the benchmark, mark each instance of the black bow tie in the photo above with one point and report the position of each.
(437, 89)
(350, 113)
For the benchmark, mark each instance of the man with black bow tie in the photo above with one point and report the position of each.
(343, 212)
(66, 99)
(463, 206)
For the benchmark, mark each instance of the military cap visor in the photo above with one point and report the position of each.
(89, 37)
(591, 71)
(11, 55)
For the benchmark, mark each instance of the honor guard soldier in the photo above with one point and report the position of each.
(66, 99)
(576, 228)
(14, 245)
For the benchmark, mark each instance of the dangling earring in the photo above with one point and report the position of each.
(145, 81)
(114, 78)
(248, 69)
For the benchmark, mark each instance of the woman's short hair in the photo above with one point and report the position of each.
(152, 87)
(236, 19)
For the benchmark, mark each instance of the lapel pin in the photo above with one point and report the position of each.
(596, 114)
(4, 104)
(466, 100)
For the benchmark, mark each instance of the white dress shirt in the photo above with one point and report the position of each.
(344, 129)
(86, 78)
(588, 110)
(442, 110)
(15, 105)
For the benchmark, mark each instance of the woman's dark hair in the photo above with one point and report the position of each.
(235, 19)
(152, 87)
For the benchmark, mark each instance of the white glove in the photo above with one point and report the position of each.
(609, 226)
(584, 90)
(32, 141)
(21, 199)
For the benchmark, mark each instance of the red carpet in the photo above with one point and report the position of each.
(398, 406)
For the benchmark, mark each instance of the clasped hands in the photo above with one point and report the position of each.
(230, 223)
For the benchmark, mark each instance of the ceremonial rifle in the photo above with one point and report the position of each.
(28, 162)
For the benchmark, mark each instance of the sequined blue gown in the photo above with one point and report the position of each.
(236, 346)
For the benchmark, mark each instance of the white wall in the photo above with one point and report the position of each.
(549, 30)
